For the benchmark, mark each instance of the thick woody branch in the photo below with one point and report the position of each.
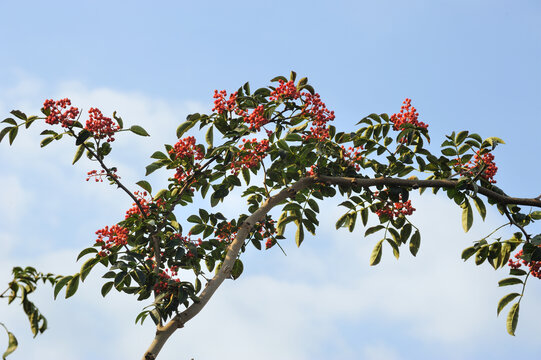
(164, 332)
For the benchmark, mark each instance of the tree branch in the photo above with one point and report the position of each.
(164, 332)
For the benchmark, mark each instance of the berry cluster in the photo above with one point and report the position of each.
(535, 266)
(485, 162)
(186, 149)
(58, 115)
(222, 105)
(99, 176)
(407, 115)
(250, 155)
(320, 115)
(101, 126)
(225, 232)
(286, 90)
(312, 171)
(117, 236)
(165, 282)
(394, 210)
(256, 119)
(188, 239)
(145, 205)
(353, 156)
(312, 107)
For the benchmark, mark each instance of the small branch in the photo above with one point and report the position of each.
(517, 225)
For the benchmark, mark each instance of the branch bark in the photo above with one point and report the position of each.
(164, 332)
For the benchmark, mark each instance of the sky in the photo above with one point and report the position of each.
(465, 64)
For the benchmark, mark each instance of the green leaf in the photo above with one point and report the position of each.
(535, 215)
(18, 114)
(209, 136)
(237, 269)
(78, 153)
(460, 137)
(415, 243)
(493, 141)
(510, 281)
(153, 167)
(373, 229)
(12, 343)
(118, 120)
(512, 319)
(60, 284)
(43, 142)
(4, 131)
(86, 251)
(394, 245)
(138, 130)
(467, 215)
(341, 221)
(73, 285)
(13, 134)
(194, 219)
(506, 300)
(185, 126)
(480, 207)
(517, 272)
(10, 121)
(468, 252)
(81, 138)
(375, 257)
(158, 155)
(448, 152)
(87, 266)
(106, 288)
(145, 185)
(299, 235)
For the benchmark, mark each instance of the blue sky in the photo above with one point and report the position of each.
(466, 64)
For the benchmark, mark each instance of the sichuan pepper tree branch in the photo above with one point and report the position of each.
(164, 332)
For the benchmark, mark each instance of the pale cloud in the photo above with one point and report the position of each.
(379, 352)
(15, 199)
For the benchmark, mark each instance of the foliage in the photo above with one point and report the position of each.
(280, 139)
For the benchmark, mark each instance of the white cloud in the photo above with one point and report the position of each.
(379, 352)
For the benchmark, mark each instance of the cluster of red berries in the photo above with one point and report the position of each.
(116, 236)
(353, 156)
(250, 155)
(286, 90)
(145, 204)
(222, 105)
(393, 210)
(101, 126)
(267, 230)
(312, 171)
(270, 243)
(320, 114)
(256, 120)
(407, 115)
(225, 232)
(166, 280)
(185, 148)
(188, 239)
(485, 161)
(58, 115)
(99, 176)
(535, 266)
(313, 107)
